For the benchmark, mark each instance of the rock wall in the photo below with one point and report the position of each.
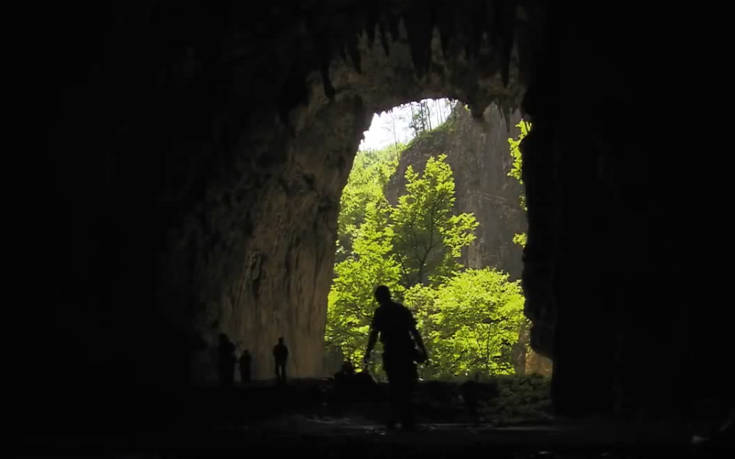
(195, 153)
(617, 282)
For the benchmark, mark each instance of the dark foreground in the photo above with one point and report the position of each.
(313, 419)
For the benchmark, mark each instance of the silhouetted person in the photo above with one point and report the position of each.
(226, 360)
(280, 353)
(346, 372)
(354, 386)
(399, 336)
(245, 360)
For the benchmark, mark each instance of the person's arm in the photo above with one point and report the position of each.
(371, 343)
(417, 337)
(373, 337)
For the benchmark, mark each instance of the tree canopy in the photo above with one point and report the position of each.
(470, 323)
(428, 237)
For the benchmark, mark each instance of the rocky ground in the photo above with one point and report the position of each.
(509, 418)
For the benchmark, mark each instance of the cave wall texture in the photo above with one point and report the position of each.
(196, 152)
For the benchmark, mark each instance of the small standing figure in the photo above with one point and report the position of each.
(226, 360)
(346, 374)
(245, 360)
(280, 353)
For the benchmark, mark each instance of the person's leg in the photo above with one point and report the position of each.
(393, 411)
(405, 376)
(402, 402)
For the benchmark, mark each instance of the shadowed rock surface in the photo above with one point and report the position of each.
(293, 419)
(195, 153)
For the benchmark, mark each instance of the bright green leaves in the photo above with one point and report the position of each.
(469, 323)
(469, 318)
(371, 170)
(516, 170)
(428, 237)
(366, 234)
(515, 150)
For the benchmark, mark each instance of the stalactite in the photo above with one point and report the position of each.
(419, 26)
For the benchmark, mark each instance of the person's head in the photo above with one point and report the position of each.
(280, 340)
(382, 294)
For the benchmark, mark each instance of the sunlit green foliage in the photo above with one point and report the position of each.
(515, 150)
(469, 318)
(469, 323)
(371, 263)
(520, 239)
(428, 237)
(371, 170)
(516, 170)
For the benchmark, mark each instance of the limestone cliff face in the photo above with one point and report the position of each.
(477, 151)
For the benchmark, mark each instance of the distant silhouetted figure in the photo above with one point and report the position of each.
(345, 376)
(399, 336)
(280, 353)
(354, 386)
(245, 360)
(226, 360)
(345, 373)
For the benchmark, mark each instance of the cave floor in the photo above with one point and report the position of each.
(298, 420)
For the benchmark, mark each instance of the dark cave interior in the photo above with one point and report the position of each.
(196, 153)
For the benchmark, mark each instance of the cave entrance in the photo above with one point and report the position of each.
(432, 211)
(278, 209)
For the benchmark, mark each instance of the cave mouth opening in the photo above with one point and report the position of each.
(407, 220)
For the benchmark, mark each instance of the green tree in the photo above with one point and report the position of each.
(370, 172)
(470, 323)
(428, 238)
